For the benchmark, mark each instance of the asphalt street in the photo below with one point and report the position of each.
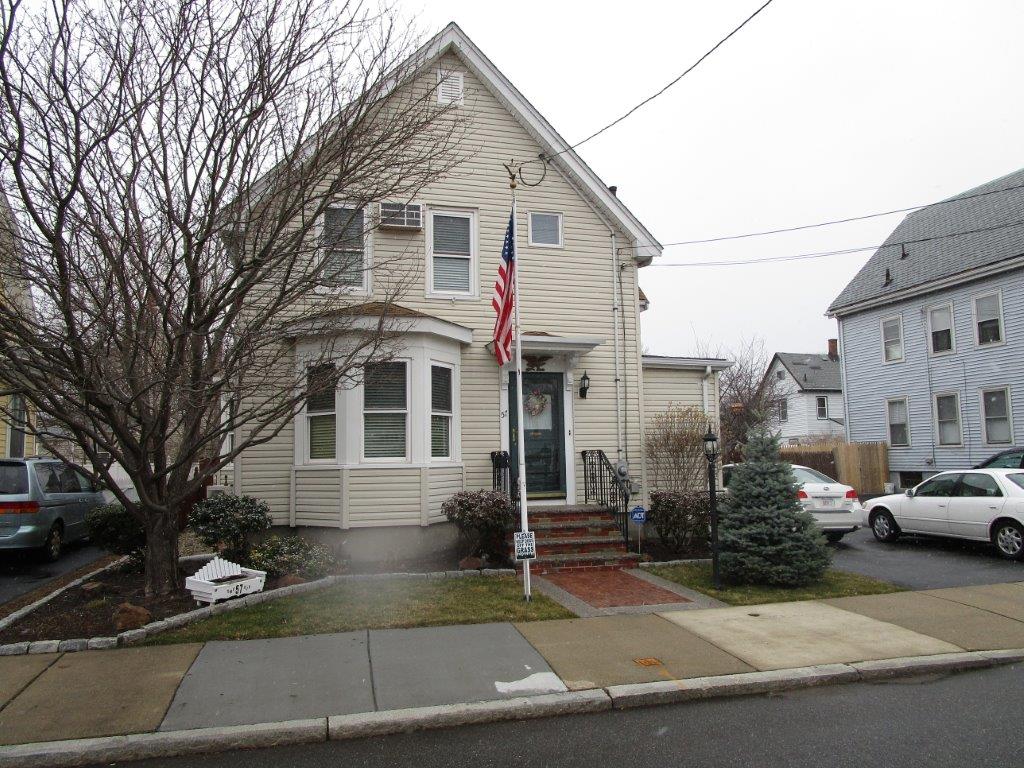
(21, 572)
(921, 562)
(953, 720)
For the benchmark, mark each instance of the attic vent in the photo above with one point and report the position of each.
(449, 87)
(401, 216)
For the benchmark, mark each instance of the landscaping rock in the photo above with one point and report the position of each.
(13, 649)
(44, 646)
(290, 580)
(132, 636)
(99, 643)
(93, 588)
(128, 616)
(471, 564)
(78, 644)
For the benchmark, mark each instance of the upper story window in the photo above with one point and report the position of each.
(440, 412)
(783, 409)
(940, 330)
(947, 419)
(899, 422)
(988, 319)
(892, 339)
(343, 248)
(321, 412)
(450, 86)
(546, 230)
(385, 410)
(780, 375)
(995, 413)
(821, 405)
(452, 240)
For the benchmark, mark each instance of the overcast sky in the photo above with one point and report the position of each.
(814, 111)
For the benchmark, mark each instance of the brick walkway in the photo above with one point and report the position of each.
(612, 589)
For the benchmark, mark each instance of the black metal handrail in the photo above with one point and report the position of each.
(502, 480)
(604, 485)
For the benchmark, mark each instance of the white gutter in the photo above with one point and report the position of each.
(616, 314)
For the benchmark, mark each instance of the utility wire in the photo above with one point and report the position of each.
(546, 157)
(822, 254)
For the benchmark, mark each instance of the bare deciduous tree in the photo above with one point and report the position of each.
(674, 444)
(170, 165)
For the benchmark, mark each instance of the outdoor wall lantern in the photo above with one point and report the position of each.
(711, 453)
(584, 385)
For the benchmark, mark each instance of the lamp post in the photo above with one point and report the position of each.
(711, 453)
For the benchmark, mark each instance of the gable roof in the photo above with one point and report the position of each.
(936, 263)
(813, 373)
(452, 39)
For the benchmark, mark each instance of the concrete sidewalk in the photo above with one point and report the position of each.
(52, 697)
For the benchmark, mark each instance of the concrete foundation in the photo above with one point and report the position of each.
(394, 548)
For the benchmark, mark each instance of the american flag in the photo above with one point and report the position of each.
(504, 299)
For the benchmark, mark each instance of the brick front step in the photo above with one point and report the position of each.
(580, 545)
(558, 514)
(595, 530)
(603, 559)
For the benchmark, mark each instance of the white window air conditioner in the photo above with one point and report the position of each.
(401, 216)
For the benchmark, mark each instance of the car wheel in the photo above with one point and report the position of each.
(54, 544)
(834, 538)
(884, 526)
(1008, 537)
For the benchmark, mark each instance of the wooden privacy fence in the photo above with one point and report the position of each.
(865, 466)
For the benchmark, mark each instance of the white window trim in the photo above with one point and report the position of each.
(935, 419)
(974, 319)
(1009, 414)
(474, 251)
(817, 411)
(452, 75)
(431, 413)
(903, 349)
(408, 409)
(529, 227)
(366, 289)
(952, 330)
(888, 422)
(306, 459)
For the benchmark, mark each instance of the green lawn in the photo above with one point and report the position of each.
(376, 604)
(835, 584)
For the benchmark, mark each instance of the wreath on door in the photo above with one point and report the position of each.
(536, 403)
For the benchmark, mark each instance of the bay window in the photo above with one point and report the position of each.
(321, 413)
(385, 411)
(440, 412)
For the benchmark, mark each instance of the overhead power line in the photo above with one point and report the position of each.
(840, 252)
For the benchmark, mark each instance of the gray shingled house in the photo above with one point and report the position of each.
(931, 334)
(811, 395)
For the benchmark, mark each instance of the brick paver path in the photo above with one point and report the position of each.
(612, 589)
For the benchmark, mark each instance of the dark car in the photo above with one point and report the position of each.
(1011, 458)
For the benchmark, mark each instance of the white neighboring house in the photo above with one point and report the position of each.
(813, 405)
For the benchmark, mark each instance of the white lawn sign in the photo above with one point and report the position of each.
(221, 580)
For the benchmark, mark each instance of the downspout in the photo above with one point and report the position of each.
(704, 390)
(616, 314)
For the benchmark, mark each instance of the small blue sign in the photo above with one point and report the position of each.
(638, 515)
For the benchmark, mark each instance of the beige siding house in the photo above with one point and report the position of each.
(378, 460)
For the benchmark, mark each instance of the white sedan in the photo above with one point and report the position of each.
(834, 506)
(978, 504)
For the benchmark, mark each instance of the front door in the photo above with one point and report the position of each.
(543, 426)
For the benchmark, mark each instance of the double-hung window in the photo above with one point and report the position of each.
(988, 319)
(440, 412)
(995, 412)
(821, 405)
(545, 230)
(892, 339)
(343, 248)
(947, 419)
(385, 410)
(940, 329)
(321, 414)
(784, 409)
(899, 422)
(452, 252)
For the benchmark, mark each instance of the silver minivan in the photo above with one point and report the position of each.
(43, 503)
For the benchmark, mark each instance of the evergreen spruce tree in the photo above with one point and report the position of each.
(765, 536)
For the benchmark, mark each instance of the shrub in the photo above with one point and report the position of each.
(113, 528)
(283, 555)
(226, 522)
(483, 517)
(675, 449)
(682, 520)
(765, 536)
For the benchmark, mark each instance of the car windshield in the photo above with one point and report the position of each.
(13, 477)
(1017, 479)
(807, 475)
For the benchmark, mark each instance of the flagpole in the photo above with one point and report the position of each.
(520, 432)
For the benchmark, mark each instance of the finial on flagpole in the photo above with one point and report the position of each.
(510, 166)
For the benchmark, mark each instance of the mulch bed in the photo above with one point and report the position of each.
(6, 609)
(657, 552)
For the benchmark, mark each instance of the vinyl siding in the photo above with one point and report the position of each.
(564, 291)
(870, 382)
(5, 428)
(803, 423)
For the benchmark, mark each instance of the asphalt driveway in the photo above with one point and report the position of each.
(921, 562)
(21, 572)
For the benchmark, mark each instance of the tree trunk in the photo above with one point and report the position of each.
(161, 554)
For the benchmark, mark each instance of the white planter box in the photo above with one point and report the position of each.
(222, 580)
